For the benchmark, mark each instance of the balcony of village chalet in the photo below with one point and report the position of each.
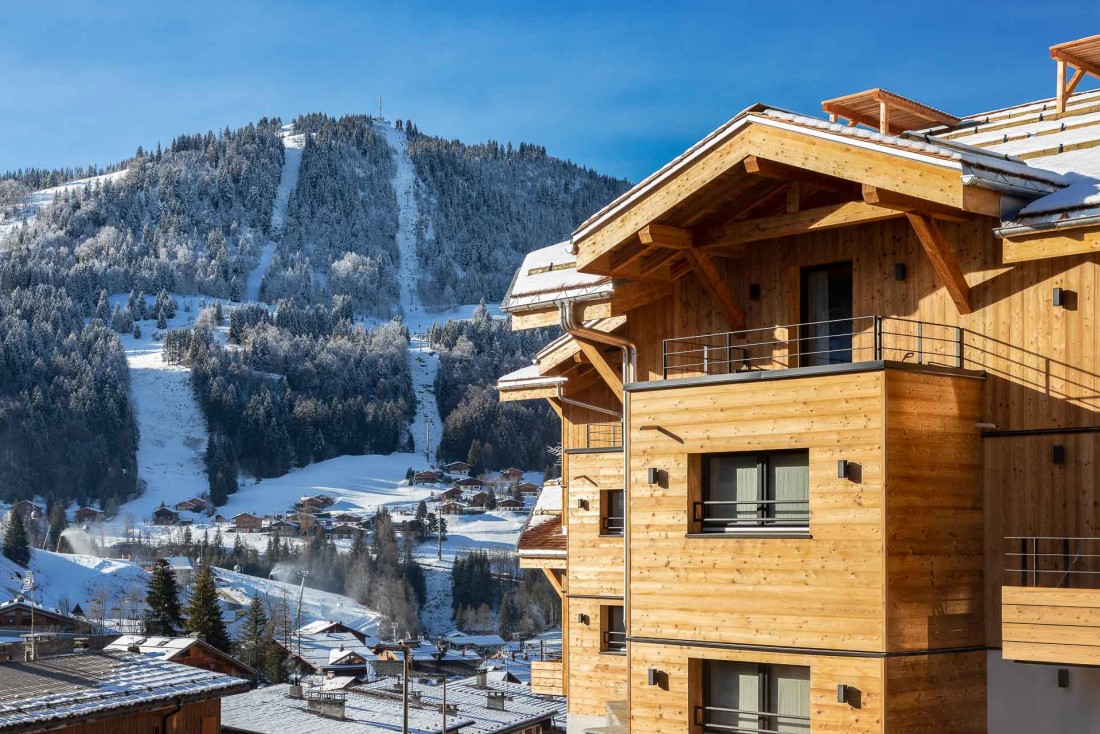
(818, 347)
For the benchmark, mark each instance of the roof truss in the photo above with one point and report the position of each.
(1084, 56)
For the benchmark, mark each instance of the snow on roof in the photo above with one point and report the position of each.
(270, 710)
(548, 275)
(180, 563)
(71, 687)
(461, 638)
(544, 535)
(164, 648)
(527, 377)
(550, 499)
(327, 648)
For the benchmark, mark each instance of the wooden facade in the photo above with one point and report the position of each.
(954, 435)
(200, 717)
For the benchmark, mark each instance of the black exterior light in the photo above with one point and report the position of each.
(1058, 454)
(652, 676)
(1057, 298)
(842, 693)
(899, 271)
(842, 470)
(652, 475)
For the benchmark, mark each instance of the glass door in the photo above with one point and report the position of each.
(826, 315)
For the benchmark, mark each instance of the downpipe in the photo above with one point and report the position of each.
(629, 373)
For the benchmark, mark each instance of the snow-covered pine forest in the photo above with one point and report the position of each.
(314, 371)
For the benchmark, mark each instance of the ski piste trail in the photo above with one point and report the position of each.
(293, 144)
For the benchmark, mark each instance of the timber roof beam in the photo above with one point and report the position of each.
(943, 259)
(735, 234)
(904, 203)
(765, 168)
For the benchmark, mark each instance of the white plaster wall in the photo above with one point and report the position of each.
(1025, 698)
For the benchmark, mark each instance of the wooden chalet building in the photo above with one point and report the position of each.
(20, 616)
(829, 424)
(117, 692)
(457, 467)
(511, 504)
(454, 493)
(189, 651)
(27, 509)
(165, 516)
(246, 522)
(470, 483)
(87, 515)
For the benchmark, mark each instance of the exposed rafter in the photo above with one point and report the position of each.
(943, 259)
(765, 168)
(607, 372)
(903, 203)
(712, 281)
(785, 225)
(659, 235)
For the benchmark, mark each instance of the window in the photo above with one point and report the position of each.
(613, 624)
(759, 492)
(752, 698)
(612, 512)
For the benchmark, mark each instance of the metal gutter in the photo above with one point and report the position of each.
(1026, 229)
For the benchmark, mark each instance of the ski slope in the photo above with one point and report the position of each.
(288, 181)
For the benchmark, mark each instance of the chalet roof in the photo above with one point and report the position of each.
(167, 648)
(527, 377)
(324, 649)
(542, 536)
(901, 113)
(70, 688)
(548, 275)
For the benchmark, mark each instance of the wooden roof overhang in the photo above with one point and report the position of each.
(766, 175)
(886, 112)
(1084, 56)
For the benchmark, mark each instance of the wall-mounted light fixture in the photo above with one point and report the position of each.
(652, 475)
(842, 693)
(582, 619)
(652, 676)
(1058, 454)
(899, 271)
(1063, 677)
(842, 469)
(1058, 299)
(581, 503)
(754, 291)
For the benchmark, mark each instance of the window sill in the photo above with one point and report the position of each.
(612, 535)
(755, 534)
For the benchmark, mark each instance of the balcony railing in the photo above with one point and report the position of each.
(717, 516)
(614, 641)
(612, 525)
(720, 720)
(816, 343)
(604, 435)
(1052, 562)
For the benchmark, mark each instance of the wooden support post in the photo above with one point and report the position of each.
(883, 117)
(555, 580)
(1061, 85)
(943, 259)
(609, 374)
(794, 197)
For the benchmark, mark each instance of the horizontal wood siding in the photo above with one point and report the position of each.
(934, 511)
(936, 693)
(594, 677)
(595, 561)
(667, 707)
(1059, 626)
(546, 677)
(821, 593)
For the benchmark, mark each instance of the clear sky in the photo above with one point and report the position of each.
(618, 86)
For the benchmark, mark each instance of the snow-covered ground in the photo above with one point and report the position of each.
(38, 199)
(288, 181)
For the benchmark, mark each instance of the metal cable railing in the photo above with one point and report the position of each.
(604, 435)
(815, 343)
(1052, 561)
(719, 515)
(719, 719)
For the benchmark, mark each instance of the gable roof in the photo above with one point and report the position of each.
(549, 275)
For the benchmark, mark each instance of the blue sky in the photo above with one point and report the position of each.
(621, 87)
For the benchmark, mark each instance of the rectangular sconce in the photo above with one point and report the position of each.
(651, 676)
(842, 693)
(754, 291)
(899, 271)
(1058, 454)
(580, 504)
(582, 619)
(842, 469)
(1063, 677)
(652, 475)
(1057, 299)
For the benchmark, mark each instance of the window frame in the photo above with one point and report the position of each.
(766, 714)
(606, 530)
(765, 524)
(606, 646)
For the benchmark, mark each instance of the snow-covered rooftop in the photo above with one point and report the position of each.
(72, 687)
(526, 378)
(548, 275)
(161, 647)
(329, 648)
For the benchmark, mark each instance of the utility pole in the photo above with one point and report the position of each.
(404, 650)
(380, 107)
(301, 593)
(439, 532)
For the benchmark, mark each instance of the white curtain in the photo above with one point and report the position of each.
(790, 694)
(733, 686)
(733, 478)
(790, 484)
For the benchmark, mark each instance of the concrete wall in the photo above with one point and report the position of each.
(1025, 698)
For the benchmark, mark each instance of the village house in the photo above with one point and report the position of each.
(189, 651)
(326, 626)
(27, 509)
(452, 508)
(512, 505)
(20, 615)
(344, 532)
(165, 516)
(852, 361)
(510, 475)
(469, 483)
(457, 467)
(246, 522)
(528, 489)
(454, 493)
(283, 529)
(111, 692)
(86, 515)
(480, 500)
(195, 504)
(427, 477)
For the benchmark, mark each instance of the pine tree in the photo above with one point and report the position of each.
(16, 548)
(162, 598)
(204, 614)
(137, 330)
(508, 620)
(162, 322)
(255, 634)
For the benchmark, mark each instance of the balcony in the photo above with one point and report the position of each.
(603, 436)
(819, 344)
(547, 677)
(1050, 603)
